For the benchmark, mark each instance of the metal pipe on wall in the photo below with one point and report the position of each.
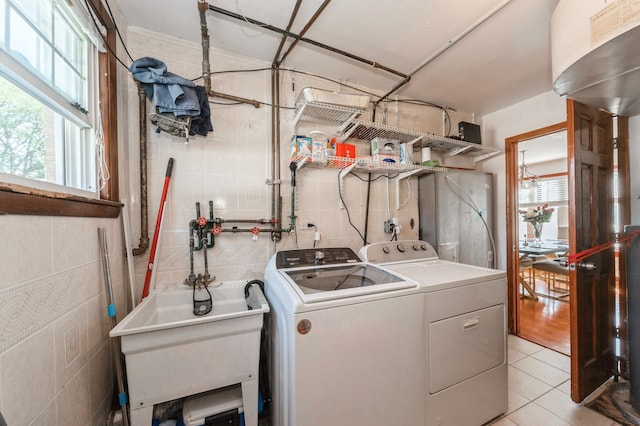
(306, 40)
(144, 214)
(276, 200)
(276, 212)
(304, 30)
(204, 31)
(294, 13)
(275, 220)
(203, 6)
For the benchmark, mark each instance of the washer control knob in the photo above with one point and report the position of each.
(416, 247)
(401, 248)
(423, 246)
(385, 249)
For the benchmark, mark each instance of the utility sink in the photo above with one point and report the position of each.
(171, 353)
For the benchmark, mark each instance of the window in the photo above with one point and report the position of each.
(51, 77)
(555, 192)
(46, 132)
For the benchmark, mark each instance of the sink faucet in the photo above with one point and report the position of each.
(200, 229)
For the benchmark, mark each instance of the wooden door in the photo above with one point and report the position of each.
(590, 161)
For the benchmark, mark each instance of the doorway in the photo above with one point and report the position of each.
(540, 217)
(597, 299)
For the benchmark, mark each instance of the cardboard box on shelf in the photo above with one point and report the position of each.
(385, 146)
(301, 146)
(345, 150)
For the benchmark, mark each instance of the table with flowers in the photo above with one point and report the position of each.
(537, 217)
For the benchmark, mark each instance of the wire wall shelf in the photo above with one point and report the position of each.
(366, 131)
(350, 126)
(364, 165)
(318, 112)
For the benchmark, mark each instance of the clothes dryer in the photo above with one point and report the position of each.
(465, 333)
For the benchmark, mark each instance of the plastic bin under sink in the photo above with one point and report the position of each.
(172, 353)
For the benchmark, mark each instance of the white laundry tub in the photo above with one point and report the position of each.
(171, 353)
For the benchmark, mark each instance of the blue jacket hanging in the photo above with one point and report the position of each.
(170, 92)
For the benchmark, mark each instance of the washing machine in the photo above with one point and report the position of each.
(346, 341)
(465, 331)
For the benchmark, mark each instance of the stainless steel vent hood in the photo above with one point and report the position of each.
(595, 59)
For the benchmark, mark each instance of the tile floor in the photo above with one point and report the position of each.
(539, 390)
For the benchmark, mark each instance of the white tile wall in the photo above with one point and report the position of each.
(28, 377)
(232, 165)
(55, 354)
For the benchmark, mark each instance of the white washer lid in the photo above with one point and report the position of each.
(442, 274)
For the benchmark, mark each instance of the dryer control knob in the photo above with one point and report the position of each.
(401, 248)
(385, 249)
(416, 247)
(423, 246)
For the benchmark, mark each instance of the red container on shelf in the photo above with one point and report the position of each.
(345, 150)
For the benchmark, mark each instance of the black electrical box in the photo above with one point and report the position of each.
(228, 418)
(469, 132)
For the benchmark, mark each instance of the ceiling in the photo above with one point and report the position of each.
(543, 149)
(475, 56)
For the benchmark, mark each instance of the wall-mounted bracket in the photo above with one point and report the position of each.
(341, 176)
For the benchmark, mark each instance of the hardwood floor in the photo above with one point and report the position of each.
(546, 321)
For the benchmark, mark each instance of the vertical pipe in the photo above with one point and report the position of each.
(144, 214)
(275, 147)
(203, 6)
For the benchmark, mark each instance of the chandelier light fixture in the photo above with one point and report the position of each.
(527, 179)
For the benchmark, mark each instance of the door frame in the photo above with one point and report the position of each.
(511, 159)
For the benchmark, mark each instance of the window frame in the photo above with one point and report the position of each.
(18, 199)
(543, 178)
(533, 204)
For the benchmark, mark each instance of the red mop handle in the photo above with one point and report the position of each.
(154, 244)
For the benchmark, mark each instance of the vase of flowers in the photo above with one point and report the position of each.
(537, 217)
